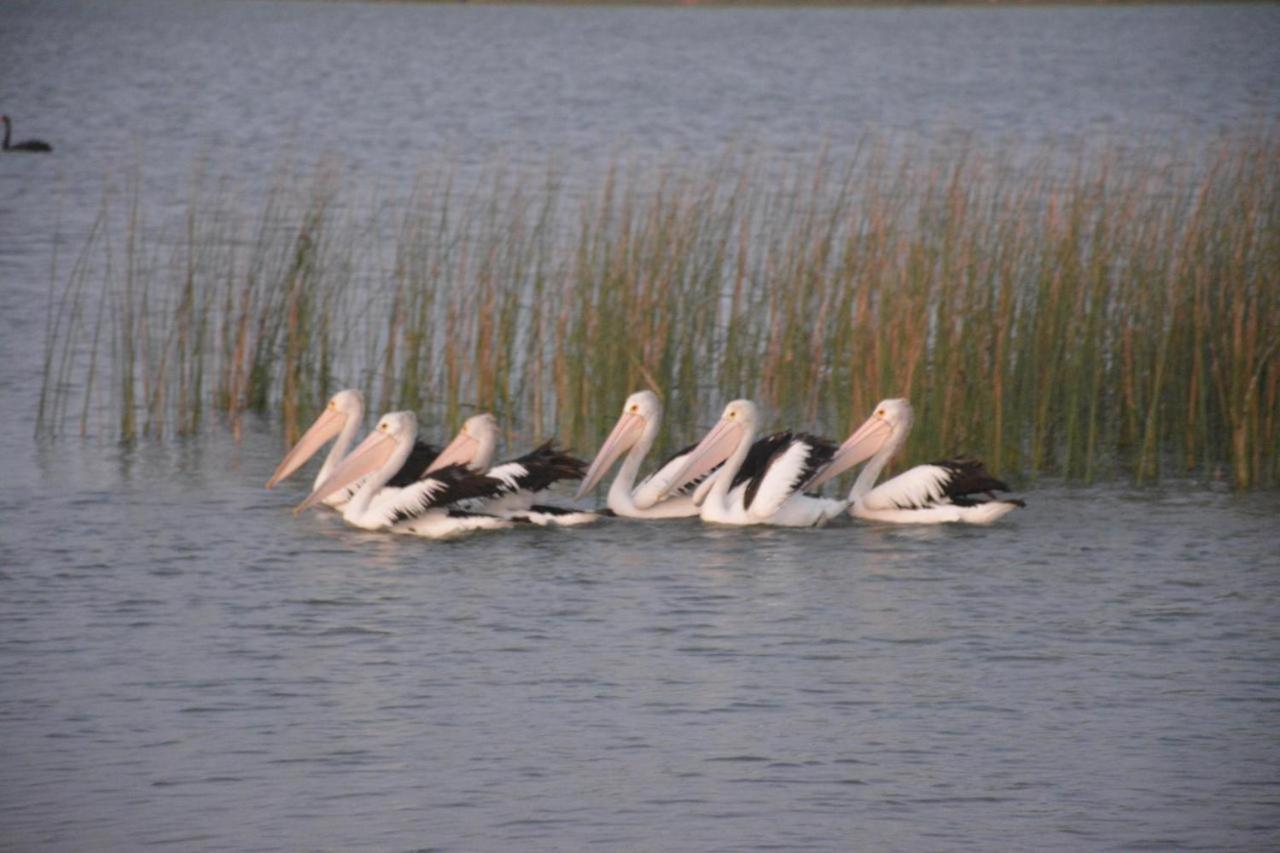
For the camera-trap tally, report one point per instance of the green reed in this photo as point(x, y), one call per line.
point(1111, 311)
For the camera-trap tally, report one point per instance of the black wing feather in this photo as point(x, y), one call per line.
point(420, 459)
point(548, 509)
point(968, 476)
point(548, 464)
point(761, 454)
point(457, 483)
point(820, 452)
point(461, 483)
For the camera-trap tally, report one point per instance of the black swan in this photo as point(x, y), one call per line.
point(29, 145)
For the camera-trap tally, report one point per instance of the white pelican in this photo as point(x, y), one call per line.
point(636, 431)
point(342, 418)
point(759, 483)
point(525, 477)
point(423, 507)
point(926, 494)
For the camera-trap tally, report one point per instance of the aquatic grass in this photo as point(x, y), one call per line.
point(1082, 314)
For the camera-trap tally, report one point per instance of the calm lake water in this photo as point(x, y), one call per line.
point(184, 664)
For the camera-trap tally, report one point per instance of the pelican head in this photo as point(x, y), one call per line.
point(644, 404)
point(398, 424)
point(891, 420)
point(473, 446)
point(348, 401)
point(641, 414)
point(737, 424)
point(742, 412)
point(345, 407)
point(896, 412)
point(386, 447)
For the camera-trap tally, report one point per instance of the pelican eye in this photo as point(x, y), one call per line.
point(880, 414)
point(634, 407)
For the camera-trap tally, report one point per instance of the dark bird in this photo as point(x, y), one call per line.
point(28, 145)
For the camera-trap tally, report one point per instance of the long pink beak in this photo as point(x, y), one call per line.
point(714, 448)
point(459, 452)
point(859, 447)
point(626, 432)
point(371, 455)
point(326, 427)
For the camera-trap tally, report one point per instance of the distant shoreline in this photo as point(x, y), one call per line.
point(817, 4)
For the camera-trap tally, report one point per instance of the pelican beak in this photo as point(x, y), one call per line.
point(859, 447)
point(459, 452)
point(326, 427)
point(371, 455)
point(714, 448)
point(624, 436)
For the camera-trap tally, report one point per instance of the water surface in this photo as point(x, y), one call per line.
point(183, 664)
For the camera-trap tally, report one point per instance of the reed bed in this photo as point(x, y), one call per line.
point(1107, 313)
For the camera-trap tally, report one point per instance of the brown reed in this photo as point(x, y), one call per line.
point(1108, 312)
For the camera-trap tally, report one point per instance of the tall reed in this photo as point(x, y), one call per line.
point(1108, 312)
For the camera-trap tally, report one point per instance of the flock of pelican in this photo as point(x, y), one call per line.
point(393, 481)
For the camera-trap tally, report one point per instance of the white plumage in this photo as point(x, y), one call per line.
point(770, 471)
point(524, 478)
point(926, 494)
point(422, 507)
point(634, 434)
point(779, 500)
point(342, 417)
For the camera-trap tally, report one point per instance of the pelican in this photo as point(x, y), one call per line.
point(634, 434)
point(759, 483)
point(926, 494)
point(342, 418)
point(525, 477)
point(423, 508)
